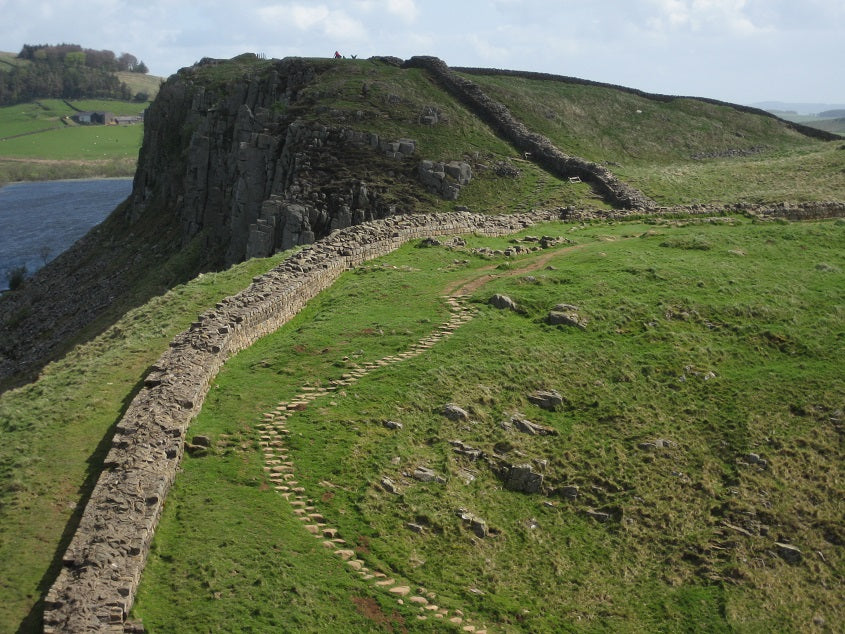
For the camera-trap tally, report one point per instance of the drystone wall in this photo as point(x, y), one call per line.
point(103, 563)
point(803, 129)
point(541, 149)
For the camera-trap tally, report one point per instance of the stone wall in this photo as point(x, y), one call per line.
point(539, 147)
point(104, 561)
point(803, 129)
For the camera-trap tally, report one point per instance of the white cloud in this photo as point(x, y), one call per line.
point(700, 16)
point(340, 25)
point(334, 23)
point(406, 9)
point(487, 51)
point(718, 48)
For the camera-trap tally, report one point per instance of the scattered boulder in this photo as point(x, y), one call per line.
point(476, 524)
point(454, 412)
point(560, 316)
point(430, 116)
point(599, 516)
point(755, 459)
point(659, 443)
point(502, 302)
point(546, 399)
point(463, 449)
point(527, 427)
point(196, 451)
point(503, 447)
point(445, 179)
point(523, 478)
point(388, 485)
point(569, 491)
point(202, 441)
point(392, 424)
point(424, 474)
point(417, 528)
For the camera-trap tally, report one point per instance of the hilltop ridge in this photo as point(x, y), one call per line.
point(624, 416)
point(243, 157)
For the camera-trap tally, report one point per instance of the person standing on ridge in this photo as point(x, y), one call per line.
point(336, 55)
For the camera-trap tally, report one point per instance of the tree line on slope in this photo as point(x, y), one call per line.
point(66, 71)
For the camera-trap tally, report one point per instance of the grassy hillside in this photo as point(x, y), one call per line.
point(54, 430)
point(698, 444)
point(678, 152)
point(139, 82)
point(10, 60)
point(690, 537)
point(720, 340)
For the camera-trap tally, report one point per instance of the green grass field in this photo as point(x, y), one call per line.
point(37, 143)
point(759, 306)
point(721, 338)
point(80, 143)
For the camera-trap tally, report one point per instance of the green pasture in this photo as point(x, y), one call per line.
point(721, 338)
point(84, 143)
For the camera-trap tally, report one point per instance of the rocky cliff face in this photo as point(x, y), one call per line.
point(225, 162)
point(234, 164)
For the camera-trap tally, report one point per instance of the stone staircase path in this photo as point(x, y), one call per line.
point(281, 472)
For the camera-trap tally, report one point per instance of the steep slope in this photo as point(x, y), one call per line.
point(250, 156)
point(245, 157)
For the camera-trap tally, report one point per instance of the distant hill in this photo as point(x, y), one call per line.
point(827, 120)
point(837, 126)
point(832, 114)
point(797, 108)
point(68, 71)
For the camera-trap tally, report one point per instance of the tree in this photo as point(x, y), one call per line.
point(127, 61)
point(16, 277)
point(142, 68)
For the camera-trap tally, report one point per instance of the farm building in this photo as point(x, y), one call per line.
point(97, 117)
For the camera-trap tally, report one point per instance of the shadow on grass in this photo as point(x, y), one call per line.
point(33, 622)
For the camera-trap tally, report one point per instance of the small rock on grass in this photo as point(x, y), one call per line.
point(454, 412)
point(502, 302)
point(546, 399)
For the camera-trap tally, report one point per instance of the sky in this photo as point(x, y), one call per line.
point(741, 51)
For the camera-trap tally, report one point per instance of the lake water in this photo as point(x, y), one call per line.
point(41, 220)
